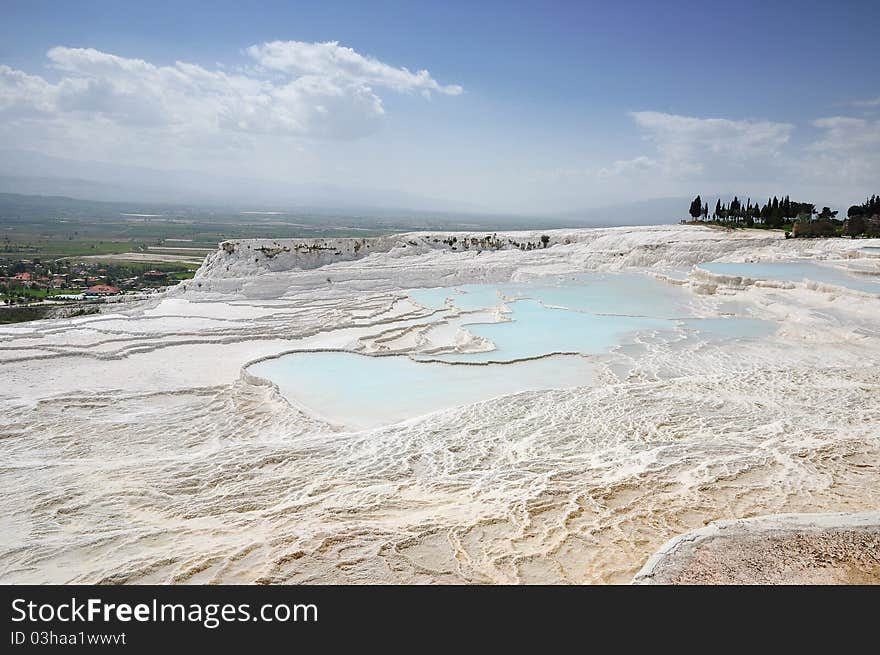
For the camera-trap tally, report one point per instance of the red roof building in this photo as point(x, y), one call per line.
point(102, 290)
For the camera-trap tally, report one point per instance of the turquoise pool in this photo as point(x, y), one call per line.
point(358, 391)
point(797, 272)
point(587, 315)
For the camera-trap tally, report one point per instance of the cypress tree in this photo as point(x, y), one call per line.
point(734, 208)
point(696, 207)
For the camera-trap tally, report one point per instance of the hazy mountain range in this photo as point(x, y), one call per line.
point(31, 173)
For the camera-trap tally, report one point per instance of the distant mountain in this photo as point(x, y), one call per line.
point(654, 211)
point(28, 172)
point(23, 208)
point(34, 174)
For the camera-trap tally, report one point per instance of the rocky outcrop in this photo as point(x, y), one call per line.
point(813, 229)
point(853, 226)
point(859, 225)
point(267, 268)
point(775, 549)
point(305, 254)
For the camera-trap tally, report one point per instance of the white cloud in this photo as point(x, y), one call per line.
point(630, 167)
point(685, 153)
point(333, 61)
point(688, 153)
point(687, 145)
point(310, 100)
point(22, 94)
point(871, 102)
point(844, 134)
point(847, 152)
point(754, 156)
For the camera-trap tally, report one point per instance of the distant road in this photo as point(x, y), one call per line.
point(140, 257)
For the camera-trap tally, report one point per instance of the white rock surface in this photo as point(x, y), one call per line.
point(135, 448)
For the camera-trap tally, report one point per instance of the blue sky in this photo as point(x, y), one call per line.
point(561, 105)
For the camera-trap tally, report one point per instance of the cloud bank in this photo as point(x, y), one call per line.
point(299, 112)
point(685, 145)
point(841, 155)
point(317, 90)
point(335, 62)
point(870, 102)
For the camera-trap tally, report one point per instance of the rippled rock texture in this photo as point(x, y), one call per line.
point(135, 448)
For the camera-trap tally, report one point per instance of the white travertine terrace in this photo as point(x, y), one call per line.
point(137, 449)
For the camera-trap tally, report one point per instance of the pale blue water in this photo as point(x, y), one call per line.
point(468, 297)
point(796, 272)
point(629, 294)
point(358, 391)
point(588, 314)
point(536, 329)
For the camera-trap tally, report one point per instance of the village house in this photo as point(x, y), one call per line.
point(155, 276)
point(102, 290)
point(24, 279)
